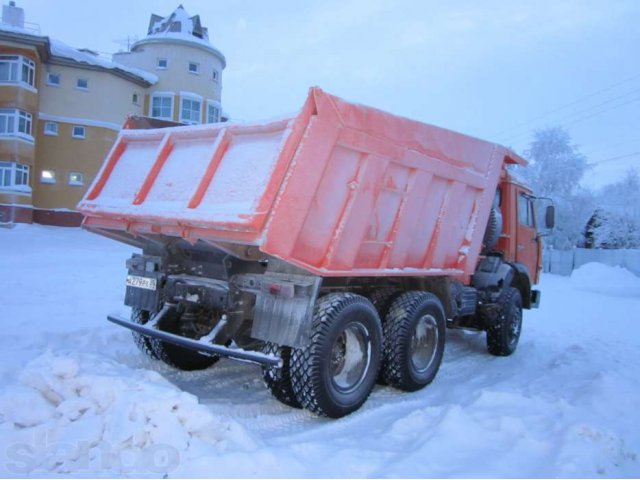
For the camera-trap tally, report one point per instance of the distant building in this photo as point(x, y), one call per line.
point(61, 108)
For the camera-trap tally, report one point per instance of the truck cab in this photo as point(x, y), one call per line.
point(520, 240)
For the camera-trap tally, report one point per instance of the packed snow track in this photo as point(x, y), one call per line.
point(77, 398)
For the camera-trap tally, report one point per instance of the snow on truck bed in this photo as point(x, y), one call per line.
point(76, 397)
point(339, 189)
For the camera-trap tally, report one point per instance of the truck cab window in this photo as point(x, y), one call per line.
point(525, 210)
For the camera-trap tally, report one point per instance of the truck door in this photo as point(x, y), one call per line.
point(527, 240)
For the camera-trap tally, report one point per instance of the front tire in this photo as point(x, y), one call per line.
point(503, 337)
point(334, 375)
point(414, 334)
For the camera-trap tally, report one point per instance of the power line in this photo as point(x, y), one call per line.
point(570, 104)
point(595, 164)
point(609, 147)
point(595, 114)
point(586, 117)
point(607, 160)
point(586, 110)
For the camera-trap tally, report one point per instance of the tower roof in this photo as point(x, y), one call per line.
point(179, 28)
point(179, 22)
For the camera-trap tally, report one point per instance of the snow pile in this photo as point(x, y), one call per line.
point(71, 412)
point(604, 279)
point(562, 406)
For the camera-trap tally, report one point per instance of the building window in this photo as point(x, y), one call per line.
point(213, 112)
point(17, 69)
point(190, 110)
point(47, 176)
point(76, 179)
point(14, 176)
point(78, 131)
point(134, 99)
point(24, 122)
point(15, 122)
point(82, 84)
point(53, 79)
point(194, 67)
point(162, 106)
point(215, 76)
point(162, 63)
point(51, 128)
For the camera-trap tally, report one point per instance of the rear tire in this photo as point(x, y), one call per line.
point(143, 343)
point(334, 375)
point(414, 333)
point(180, 357)
point(503, 337)
point(278, 380)
point(382, 298)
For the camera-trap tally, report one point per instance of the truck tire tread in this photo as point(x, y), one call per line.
point(278, 380)
point(307, 365)
point(398, 329)
point(143, 343)
point(499, 336)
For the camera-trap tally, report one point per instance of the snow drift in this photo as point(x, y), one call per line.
point(77, 399)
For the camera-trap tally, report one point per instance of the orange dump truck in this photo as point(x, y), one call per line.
point(334, 247)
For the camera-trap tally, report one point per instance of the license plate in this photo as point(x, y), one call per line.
point(141, 282)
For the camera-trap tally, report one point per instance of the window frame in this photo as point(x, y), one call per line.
point(190, 98)
point(135, 98)
point(13, 170)
point(17, 65)
point(51, 180)
point(15, 118)
point(215, 75)
point(52, 133)
point(82, 79)
point(84, 132)
point(76, 183)
point(53, 84)
point(214, 104)
point(170, 96)
point(525, 210)
point(196, 71)
point(166, 63)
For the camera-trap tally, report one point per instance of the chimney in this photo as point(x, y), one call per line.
point(12, 15)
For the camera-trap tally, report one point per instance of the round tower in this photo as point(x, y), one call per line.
point(189, 69)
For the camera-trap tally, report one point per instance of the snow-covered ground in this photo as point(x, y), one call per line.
point(76, 397)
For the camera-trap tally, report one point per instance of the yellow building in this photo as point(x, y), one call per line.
point(61, 108)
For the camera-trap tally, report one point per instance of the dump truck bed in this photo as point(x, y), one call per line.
point(339, 189)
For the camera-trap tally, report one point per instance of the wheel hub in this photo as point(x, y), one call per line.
point(424, 342)
point(350, 357)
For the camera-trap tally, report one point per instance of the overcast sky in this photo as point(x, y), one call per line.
point(492, 69)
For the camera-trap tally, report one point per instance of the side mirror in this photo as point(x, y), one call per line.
point(550, 217)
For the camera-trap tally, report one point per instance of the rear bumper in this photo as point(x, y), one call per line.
point(201, 346)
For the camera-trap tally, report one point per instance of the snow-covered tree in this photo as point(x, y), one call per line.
point(616, 222)
point(556, 165)
point(555, 170)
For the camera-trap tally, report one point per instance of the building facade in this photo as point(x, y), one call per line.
point(61, 108)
